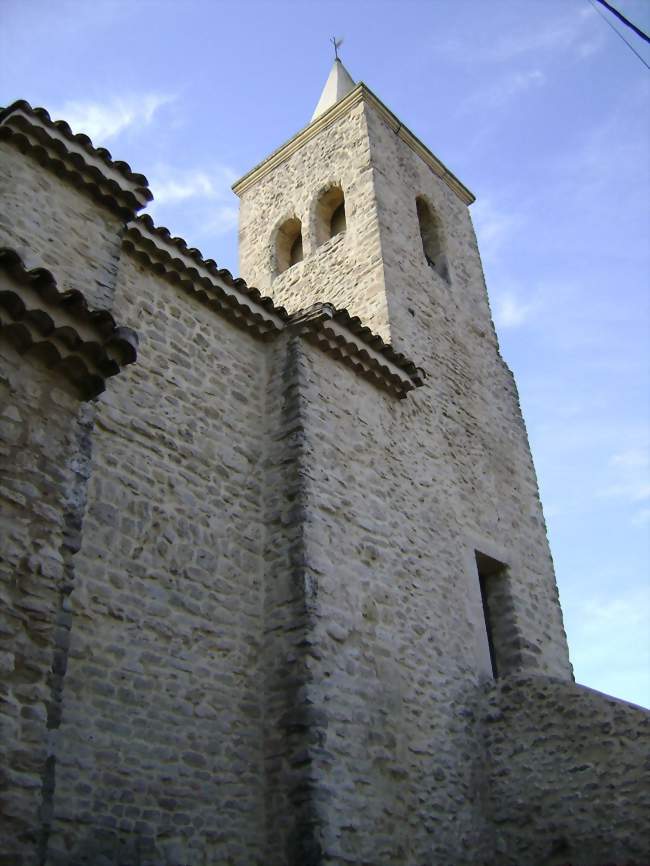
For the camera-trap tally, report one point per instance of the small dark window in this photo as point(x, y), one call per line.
point(486, 570)
point(288, 245)
point(494, 582)
point(330, 218)
point(431, 234)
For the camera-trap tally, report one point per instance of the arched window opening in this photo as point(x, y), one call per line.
point(288, 247)
point(330, 215)
point(432, 243)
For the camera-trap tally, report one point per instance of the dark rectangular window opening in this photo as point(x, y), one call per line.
point(491, 574)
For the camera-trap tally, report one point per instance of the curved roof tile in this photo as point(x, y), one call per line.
point(210, 265)
point(79, 137)
point(342, 335)
point(54, 144)
point(86, 345)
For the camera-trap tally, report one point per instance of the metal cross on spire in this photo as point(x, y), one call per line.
point(337, 44)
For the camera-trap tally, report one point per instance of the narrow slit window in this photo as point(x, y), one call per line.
point(493, 583)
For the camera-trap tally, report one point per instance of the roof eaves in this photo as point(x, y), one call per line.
point(171, 256)
point(86, 345)
point(54, 144)
point(345, 338)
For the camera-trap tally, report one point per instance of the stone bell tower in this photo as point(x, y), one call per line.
point(356, 211)
point(424, 561)
point(397, 199)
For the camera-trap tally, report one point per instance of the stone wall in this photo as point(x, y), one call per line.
point(467, 417)
point(55, 225)
point(43, 471)
point(291, 785)
point(390, 659)
point(569, 775)
point(161, 752)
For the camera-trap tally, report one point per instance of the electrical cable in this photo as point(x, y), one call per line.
point(619, 34)
point(625, 20)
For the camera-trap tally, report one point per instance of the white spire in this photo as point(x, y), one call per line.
point(339, 83)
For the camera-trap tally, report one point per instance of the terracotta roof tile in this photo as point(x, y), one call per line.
point(346, 338)
point(54, 144)
point(211, 266)
point(343, 336)
point(171, 257)
point(86, 345)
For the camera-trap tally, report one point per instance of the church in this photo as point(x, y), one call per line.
point(276, 585)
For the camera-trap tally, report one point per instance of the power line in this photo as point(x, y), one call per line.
point(618, 33)
point(625, 20)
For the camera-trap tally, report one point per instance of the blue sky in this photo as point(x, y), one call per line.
point(535, 104)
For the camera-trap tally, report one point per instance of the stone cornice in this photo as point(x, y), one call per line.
point(85, 345)
point(74, 157)
point(361, 93)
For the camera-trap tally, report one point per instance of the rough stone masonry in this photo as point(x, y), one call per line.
point(276, 588)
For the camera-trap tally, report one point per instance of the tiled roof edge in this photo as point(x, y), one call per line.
point(338, 332)
point(112, 181)
point(179, 262)
point(87, 344)
point(346, 338)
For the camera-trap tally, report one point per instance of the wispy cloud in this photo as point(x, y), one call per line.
point(642, 517)
point(197, 202)
point(630, 473)
point(620, 664)
point(502, 91)
point(176, 186)
point(577, 33)
point(573, 32)
point(511, 312)
point(222, 219)
point(494, 226)
point(105, 120)
point(630, 608)
point(633, 458)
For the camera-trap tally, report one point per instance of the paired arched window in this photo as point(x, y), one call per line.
point(330, 217)
point(432, 240)
point(288, 247)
